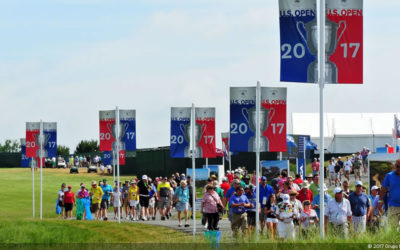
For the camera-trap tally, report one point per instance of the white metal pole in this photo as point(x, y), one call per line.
point(206, 162)
point(33, 187)
point(41, 139)
point(321, 62)
point(258, 110)
point(193, 123)
point(230, 161)
point(113, 163)
point(305, 160)
point(280, 156)
point(118, 149)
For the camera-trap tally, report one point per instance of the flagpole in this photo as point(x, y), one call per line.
point(117, 154)
point(230, 160)
point(258, 110)
point(41, 139)
point(321, 62)
point(305, 160)
point(193, 123)
point(33, 187)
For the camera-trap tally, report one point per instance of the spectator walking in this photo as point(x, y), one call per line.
point(360, 207)
point(338, 214)
point(305, 192)
point(61, 198)
point(265, 192)
point(251, 212)
point(144, 198)
point(308, 220)
point(182, 200)
point(209, 207)
point(105, 201)
point(164, 197)
point(116, 200)
point(133, 196)
point(225, 185)
point(316, 200)
point(347, 168)
point(269, 211)
point(315, 167)
point(357, 168)
point(314, 187)
point(391, 184)
point(68, 202)
point(286, 213)
point(238, 204)
point(96, 193)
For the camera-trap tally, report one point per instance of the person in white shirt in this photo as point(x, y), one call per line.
point(286, 213)
point(308, 220)
point(347, 168)
point(338, 214)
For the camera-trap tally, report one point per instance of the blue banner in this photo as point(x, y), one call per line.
point(180, 132)
point(107, 158)
point(242, 105)
point(299, 49)
point(129, 137)
point(24, 160)
point(301, 168)
point(50, 139)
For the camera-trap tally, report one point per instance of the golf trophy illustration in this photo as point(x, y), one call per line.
point(265, 117)
point(185, 129)
point(331, 41)
point(41, 139)
point(198, 134)
point(121, 132)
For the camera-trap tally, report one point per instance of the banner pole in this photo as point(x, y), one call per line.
point(118, 147)
point(230, 160)
point(305, 160)
point(33, 187)
point(258, 110)
point(206, 162)
point(41, 168)
point(193, 123)
point(321, 62)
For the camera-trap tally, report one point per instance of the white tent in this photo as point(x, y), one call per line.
point(346, 132)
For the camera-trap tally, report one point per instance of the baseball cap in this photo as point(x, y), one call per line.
point(82, 186)
point(94, 183)
point(250, 186)
point(337, 190)
point(305, 184)
point(104, 180)
point(144, 177)
point(285, 198)
point(224, 179)
point(133, 182)
point(358, 183)
point(236, 181)
point(307, 202)
point(309, 176)
point(293, 192)
point(263, 178)
point(375, 188)
point(69, 186)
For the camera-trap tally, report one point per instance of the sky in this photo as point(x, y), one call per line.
point(64, 60)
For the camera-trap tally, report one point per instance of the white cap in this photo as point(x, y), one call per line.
point(337, 190)
point(224, 179)
point(144, 177)
point(358, 183)
point(374, 188)
point(325, 189)
point(332, 158)
point(285, 198)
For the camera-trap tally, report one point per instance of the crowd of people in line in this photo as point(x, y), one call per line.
point(288, 206)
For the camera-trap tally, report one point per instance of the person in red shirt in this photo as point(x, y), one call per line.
point(225, 185)
point(298, 180)
point(68, 202)
point(229, 175)
point(305, 193)
point(315, 167)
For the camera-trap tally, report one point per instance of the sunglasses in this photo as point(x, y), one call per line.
point(292, 194)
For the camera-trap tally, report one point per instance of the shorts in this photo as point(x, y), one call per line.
point(347, 172)
point(337, 175)
point(68, 206)
point(152, 202)
point(273, 220)
point(315, 172)
point(251, 218)
point(393, 216)
point(144, 201)
point(133, 203)
point(359, 223)
point(286, 230)
point(164, 202)
point(239, 221)
point(331, 175)
point(357, 172)
point(60, 204)
point(104, 204)
point(182, 206)
point(94, 207)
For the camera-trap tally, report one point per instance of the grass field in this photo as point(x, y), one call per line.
point(18, 226)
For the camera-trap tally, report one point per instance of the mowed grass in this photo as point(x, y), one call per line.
point(17, 224)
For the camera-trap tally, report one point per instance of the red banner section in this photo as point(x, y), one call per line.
point(32, 139)
point(205, 132)
point(107, 124)
point(122, 155)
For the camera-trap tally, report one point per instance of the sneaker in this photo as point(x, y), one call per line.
point(105, 218)
point(144, 219)
point(180, 225)
point(153, 218)
point(134, 219)
point(162, 218)
point(167, 216)
point(187, 225)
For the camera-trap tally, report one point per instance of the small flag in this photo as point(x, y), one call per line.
point(396, 126)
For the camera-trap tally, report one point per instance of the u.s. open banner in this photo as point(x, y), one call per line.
point(343, 45)
point(108, 158)
point(128, 129)
point(180, 132)
point(107, 123)
point(50, 139)
point(243, 121)
point(32, 139)
point(205, 132)
point(24, 160)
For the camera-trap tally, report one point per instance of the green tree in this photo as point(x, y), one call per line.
point(62, 150)
point(87, 147)
point(10, 146)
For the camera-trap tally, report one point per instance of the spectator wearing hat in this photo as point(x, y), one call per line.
point(80, 195)
point(68, 202)
point(269, 211)
point(238, 205)
point(133, 196)
point(265, 192)
point(251, 212)
point(225, 185)
point(286, 213)
point(209, 207)
point(309, 178)
point(125, 198)
point(357, 168)
point(341, 167)
point(61, 197)
point(391, 184)
point(316, 200)
point(144, 197)
point(298, 204)
point(305, 192)
point(360, 207)
point(308, 219)
point(96, 193)
point(229, 193)
point(105, 201)
point(374, 217)
point(338, 214)
point(229, 176)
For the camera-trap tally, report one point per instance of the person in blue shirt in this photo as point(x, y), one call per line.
point(265, 191)
point(316, 203)
point(182, 201)
point(105, 200)
point(391, 183)
point(238, 205)
point(251, 212)
point(228, 195)
point(360, 206)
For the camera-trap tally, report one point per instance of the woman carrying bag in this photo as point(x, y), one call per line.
point(209, 207)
